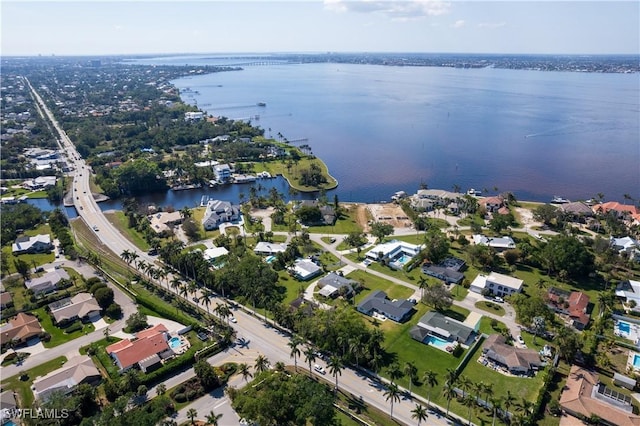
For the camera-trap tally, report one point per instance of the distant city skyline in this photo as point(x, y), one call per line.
point(430, 26)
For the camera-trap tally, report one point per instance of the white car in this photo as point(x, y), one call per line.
point(233, 319)
point(520, 339)
point(499, 299)
point(319, 369)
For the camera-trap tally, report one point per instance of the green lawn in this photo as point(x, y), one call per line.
point(23, 388)
point(100, 357)
point(33, 260)
point(120, 221)
point(293, 173)
point(492, 307)
point(58, 336)
point(345, 224)
point(372, 282)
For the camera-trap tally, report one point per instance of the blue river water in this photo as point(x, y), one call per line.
point(382, 129)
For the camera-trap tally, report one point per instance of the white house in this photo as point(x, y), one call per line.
point(38, 244)
point(498, 243)
point(218, 212)
point(164, 221)
point(305, 269)
point(211, 254)
point(267, 248)
point(396, 252)
point(629, 291)
point(626, 246)
point(222, 172)
point(193, 116)
point(498, 284)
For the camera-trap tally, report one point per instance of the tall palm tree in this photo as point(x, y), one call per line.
point(392, 394)
point(262, 364)
point(451, 376)
point(419, 413)
point(449, 392)
point(310, 357)
point(295, 351)
point(488, 390)
point(126, 256)
point(394, 372)
point(465, 384)
point(212, 418)
point(430, 378)
point(526, 406)
point(244, 370)
point(508, 401)
point(469, 401)
point(422, 284)
point(192, 414)
point(495, 408)
point(205, 299)
point(410, 370)
point(175, 284)
point(477, 388)
point(335, 368)
point(184, 291)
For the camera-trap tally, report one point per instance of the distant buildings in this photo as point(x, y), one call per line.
point(193, 116)
point(37, 244)
point(219, 212)
point(497, 284)
point(377, 302)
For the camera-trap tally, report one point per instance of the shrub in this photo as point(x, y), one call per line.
point(191, 395)
point(104, 297)
point(114, 311)
point(180, 397)
point(76, 326)
point(96, 286)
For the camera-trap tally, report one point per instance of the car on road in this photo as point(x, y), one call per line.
point(319, 369)
point(233, 319)
point(498, 299)
point(95, 228)
point(520, 339)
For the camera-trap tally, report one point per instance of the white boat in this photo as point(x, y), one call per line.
point(559, 200)
point(474, 192)
point(240, 178)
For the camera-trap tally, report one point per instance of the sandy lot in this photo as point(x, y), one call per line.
point(389, 213)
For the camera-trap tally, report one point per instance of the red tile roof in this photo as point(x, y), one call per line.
point(147, 343)
point(616, 206)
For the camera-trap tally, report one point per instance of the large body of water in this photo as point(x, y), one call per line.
point(382, 129)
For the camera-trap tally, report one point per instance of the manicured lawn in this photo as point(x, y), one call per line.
point(293, 173)
point(43, 228)
point(58, 336)
point(372, 282)
point(486, 328)
point(492, 307)
point(345, 224)
point(120, 221)
point(23, 388)
point(198, 215)
point(293, 286)
point(31, 259)
point(100, 357)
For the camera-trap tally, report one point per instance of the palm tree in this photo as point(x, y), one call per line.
point(488, 390)
point(419, 413)
point(526, 406)
point(465, 384)
point(477, 388)
point(508, 402)
point(449, 392)
point(279, 366)
point(205, 299)
point(430, 378)
point(451, 376)
point(392, 394)
point(495, 407)
point(335, 368)
point(394, 372)
point(262, 364)
point(212, 418)
point(410, 370)
point(310, 357)
point(126, 256)
point(469, 401)
point(184, 291)
point(244, 370)
point(192, 414)
point(422, 283)
point(295, 351)
point(223, 311)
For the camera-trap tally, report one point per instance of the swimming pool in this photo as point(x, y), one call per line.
point(636, 362)
point(438, 343)
point(270, 259)
point(624, 327)
point(175, 342)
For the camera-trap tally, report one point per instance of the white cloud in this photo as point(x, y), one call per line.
point(492, 25)
point(402, 10)
point(459, 23)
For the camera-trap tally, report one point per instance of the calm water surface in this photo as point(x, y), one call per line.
point(383, 129)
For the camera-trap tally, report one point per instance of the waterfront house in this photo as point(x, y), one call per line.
point(146, 351)
point(48, 282)
point(584, 396)
point(398, 310)
point(516, 360)
point(629, 293)
point(219, 212)
point(305, 269)
point(497, 243)
point(76, 371)
point(37, 244)
point(492, 204)
point(82, 306)
point(627, 247)
point(497, 284)
point(222, 172)
point(332, 285)
point(327, 213)
point(269, 249)
point(576, 210)
point(193, 116)
point(20, 328)
point(164, 221)
point(434, 324)
point(572, 306)
point(41, 182)
point(618, 209)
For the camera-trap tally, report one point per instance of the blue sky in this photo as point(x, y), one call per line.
point(141, 27)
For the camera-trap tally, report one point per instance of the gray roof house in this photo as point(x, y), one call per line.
point(82, 306)
point(7, 405)
point(48, 282)
point(218, 212)
point(37, 244)
point(377, 302)
point(328, 213)
point(516, 360)
point(447, 275)
point(435, 324)
point(498, 243)
point(264, 247)
point(331, 284)
point(305, 269)
point(76, 371)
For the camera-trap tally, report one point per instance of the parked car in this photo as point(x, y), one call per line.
point(319, 369)
point(520, 339)
point(498, 299)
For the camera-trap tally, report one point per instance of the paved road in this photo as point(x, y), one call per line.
point(260, 338)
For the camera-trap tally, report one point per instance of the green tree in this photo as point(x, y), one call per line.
point(419, 413)
point(335, 368)
point(295, 350)
point(438, 296)
point(411, 371)
point(192, 414)
point(436, 245)
point(430, 378)
point(212, 418)
point(261, 364)
point(244, 370)
point(380, 230)
point(392, 394)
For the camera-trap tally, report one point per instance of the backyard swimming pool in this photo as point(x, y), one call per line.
point(636, 362)
point(270, 259)
point(175, 342)
point(624, 327)
point(439, 343)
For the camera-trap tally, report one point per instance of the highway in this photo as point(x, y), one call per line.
point(258, 337)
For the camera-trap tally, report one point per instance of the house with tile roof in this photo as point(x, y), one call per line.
point(621, 210)
point(584, 396)
point(516, 360)
point(572, 306)
point(76, 371)
point(5, 299)
point(20, 328)
point(398, 310)
point(82, 306)
point(492, 204)
point(147, 351)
